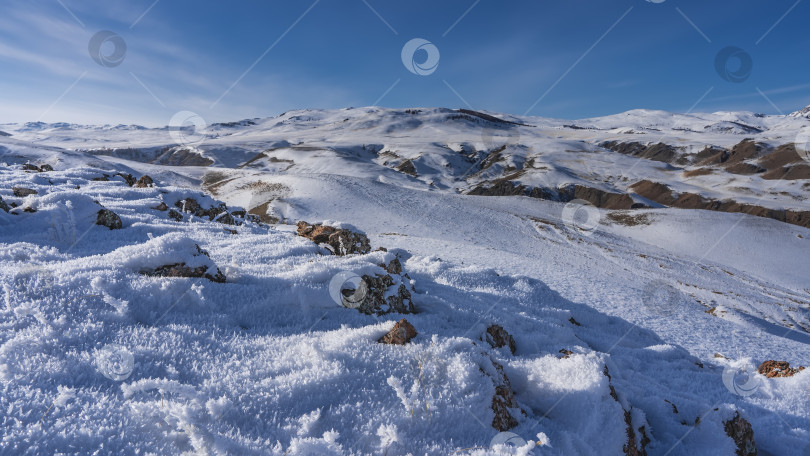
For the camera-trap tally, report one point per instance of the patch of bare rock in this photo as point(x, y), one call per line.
point(637, 438)
point(740, 430)
point(661, 193)
point(108, 218)
point(182, 270)
point(338, 240)
point(565, 193)
point(497, 337)
point(772, 369)
point(37, 169)
point(402, 333)
point(504, 403)
point(219, 213)
point(22, 192)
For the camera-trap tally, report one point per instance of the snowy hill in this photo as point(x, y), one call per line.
point(802, 112)
point(642, 266)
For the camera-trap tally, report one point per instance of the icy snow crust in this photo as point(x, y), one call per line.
point(268, 363)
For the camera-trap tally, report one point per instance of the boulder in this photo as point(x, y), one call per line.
point(773, 369)
point(740, 430)
point(144, 181)
point(383, 295)
point(191, 206)
point(338, 240)
point(22, 192)
point(400, 334)
point(108, 218)
point(182, 270)
point(214, 213)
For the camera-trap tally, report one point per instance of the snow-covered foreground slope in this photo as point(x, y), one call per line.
point(633, 329)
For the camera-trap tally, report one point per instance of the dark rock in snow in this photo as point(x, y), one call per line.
point(214, 213)
point(128, 178)
point(400, 334)
point(740, 430)
point(375, 302)
point(393, 267)
point(3, 205)
point(144, 181)
point(773, 369)
point(407, 167)
point(497, 337)
point(191, 206)
point(174, 215)
point(108, 218)
point(633, 447)
point(503, 401)
point(161, 207)
point(181, 270)
point(339, 241)
point(22, 192)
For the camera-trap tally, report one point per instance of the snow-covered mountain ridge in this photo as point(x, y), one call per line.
point(754, 163)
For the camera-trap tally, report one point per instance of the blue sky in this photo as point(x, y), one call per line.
point(567, 59)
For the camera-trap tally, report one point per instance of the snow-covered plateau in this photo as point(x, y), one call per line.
point(605, 286)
